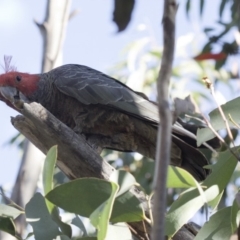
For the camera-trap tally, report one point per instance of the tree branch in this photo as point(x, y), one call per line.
point(76, 158)
point(164, 132)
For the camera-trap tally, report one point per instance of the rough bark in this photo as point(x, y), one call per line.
point(76, 158)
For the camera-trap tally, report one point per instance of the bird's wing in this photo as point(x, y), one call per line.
point(90, 86)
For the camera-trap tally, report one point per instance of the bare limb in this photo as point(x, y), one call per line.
point(210, 86)
point(44, 131)
point(164, 132)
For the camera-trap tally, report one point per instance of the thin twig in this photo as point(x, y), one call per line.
point(150, 208)
point(211, 87)
point(145, 230)
point(9, 201)
point(135, 232)
point(196, 118)
point(220, 138)
point(233, 122)
point(164, 131)
point(193, 136)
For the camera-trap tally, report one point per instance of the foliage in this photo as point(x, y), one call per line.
point(104, 199)
point(99, 208)
point(108, 204)
point(218, 40)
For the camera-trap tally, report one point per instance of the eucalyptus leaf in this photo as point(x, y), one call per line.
point(8, 211)
point(48, 172)
point(48, 175)
point(189, 202)
point(90, 192)
point(222, 6)
point(124, 179)
point(7, 225)
point(78, 223)
point(40, 219)
point(101, 215)
point(218, 227)
point(67, 196)
point(127, 208)
point(214, 203)
point(188, 6)
point(235, 214)
point(201, 6)
point(65, 228)
point(180, 178)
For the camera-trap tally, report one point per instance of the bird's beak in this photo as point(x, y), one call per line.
point(10, 94)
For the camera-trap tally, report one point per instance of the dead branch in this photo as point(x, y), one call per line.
point(76, 157)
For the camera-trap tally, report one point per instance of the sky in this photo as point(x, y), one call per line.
point(91, 40)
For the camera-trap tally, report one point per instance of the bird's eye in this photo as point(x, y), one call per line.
point(18, 78)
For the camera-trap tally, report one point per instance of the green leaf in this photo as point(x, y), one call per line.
point(221, 8)
point(214, 203)
point(235, 213)
point(67, 196)
point(48, 173)
point(78, 223)
point(124, 179)
point(144, 175)
point(208, 30)
point(218, 227)
point(101, 215)
point(65, 228)
point(220, 63)
point(7, 225)
point(127, 208)
point(40, 219)
point(188, 6)
point(179, 178)
point(201, 7)
point(232, 108)
point(9, 212)
point(48, 169)
point(191, 201)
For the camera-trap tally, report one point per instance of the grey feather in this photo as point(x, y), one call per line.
point(93, 87)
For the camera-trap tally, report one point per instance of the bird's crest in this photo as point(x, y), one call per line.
point(7, 67)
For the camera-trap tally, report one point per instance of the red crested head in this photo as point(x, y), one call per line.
point(23, 82)
point(12, 82)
